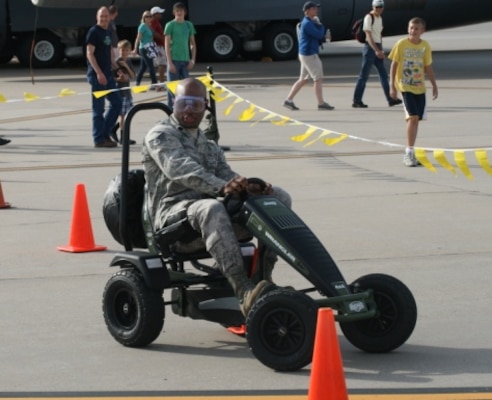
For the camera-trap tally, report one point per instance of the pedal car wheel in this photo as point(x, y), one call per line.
point(134, 313)
point(280, 329)
point(395, 318)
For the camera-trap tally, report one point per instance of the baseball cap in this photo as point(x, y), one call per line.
point(378, 3)
point(310, 4)
point(156, 10)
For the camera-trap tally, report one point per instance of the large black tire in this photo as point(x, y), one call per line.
point(48, 50)
point(280, 329)
point(395, 318)
point(5, 59)
point(280, 42)
point(134, 313)
point(220, 44)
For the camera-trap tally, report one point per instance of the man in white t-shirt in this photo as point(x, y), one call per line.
point(373, 55)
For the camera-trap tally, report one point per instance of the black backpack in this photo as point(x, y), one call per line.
point(358, 31)
point(134, 203)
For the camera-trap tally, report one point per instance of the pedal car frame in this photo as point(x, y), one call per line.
point(377, 313)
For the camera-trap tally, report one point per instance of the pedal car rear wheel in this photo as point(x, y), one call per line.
point(134, 313)
point(395, 318)
point(280, 329)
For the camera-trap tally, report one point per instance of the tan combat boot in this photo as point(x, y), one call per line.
point(252, 295)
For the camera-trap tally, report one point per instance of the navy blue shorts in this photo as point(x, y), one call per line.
point(414, 105)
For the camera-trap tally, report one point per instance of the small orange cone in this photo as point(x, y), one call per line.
point(327, 377)
point(81, 237)
point(3, 203)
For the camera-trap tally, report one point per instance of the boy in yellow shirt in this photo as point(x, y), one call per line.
point(411, 62)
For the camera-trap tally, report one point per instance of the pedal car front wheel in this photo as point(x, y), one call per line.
point(395, 318)
point(280, 329)
point(134, 313)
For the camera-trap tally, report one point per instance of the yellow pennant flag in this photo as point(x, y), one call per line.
point(305, 135)
point(2, 98)
point(216, 92)
point(140, 88)
point(421, 155)
point(66, 92)
point(459, 157)
point(282, 121)
point(30, 97)
point(172, 86)
point(440, 157)
point(323, 134)
point(219, 99)
point(335, 140)
point(260, 110)
point(483, 160)
point(234, 103)
point(269, 116)
point(101, 93)
point(248, 114)
point(206, 80)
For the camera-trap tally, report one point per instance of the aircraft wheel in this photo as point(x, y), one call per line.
point(280, 42)
point(134, 313)
point(280, 329)
point(221, 44)
point(47, 52)
point(395, 318)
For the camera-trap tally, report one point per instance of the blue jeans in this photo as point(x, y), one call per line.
point(181, 73)
point(102, 123)
point(369, 60)
point(145, 62)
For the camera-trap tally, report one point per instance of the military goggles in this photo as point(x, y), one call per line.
point(195, 104)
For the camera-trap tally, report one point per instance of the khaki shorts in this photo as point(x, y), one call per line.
point(311, 67)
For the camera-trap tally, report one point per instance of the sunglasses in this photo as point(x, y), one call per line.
point(379, 6)
point(196, 104)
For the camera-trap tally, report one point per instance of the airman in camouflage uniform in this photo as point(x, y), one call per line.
point(185, 173)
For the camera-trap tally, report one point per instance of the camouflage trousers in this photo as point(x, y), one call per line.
point(220, 237)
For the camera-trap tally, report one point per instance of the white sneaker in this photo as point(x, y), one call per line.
point(409, 160)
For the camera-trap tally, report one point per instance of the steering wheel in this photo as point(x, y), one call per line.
point(233, 202)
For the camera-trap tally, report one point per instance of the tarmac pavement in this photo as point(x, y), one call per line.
point(430, 229)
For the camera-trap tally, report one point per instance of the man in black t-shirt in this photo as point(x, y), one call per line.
point(100, 66)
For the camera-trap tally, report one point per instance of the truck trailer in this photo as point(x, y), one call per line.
point(43, 32)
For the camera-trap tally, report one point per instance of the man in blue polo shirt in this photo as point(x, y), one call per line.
point(311, 33)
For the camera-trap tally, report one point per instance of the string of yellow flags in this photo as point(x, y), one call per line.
point(65, 92)
point(311, 134)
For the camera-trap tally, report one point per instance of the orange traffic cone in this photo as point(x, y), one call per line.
point(3, 203)
point(81, 237)
point(327, 377)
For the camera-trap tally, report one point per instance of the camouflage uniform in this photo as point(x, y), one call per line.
point(186, 171)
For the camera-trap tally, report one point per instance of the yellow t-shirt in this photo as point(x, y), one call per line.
point(412, 60)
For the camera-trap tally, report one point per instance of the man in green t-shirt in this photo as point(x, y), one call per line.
point(180, 46)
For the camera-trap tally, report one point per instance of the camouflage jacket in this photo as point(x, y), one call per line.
point(179, 166)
